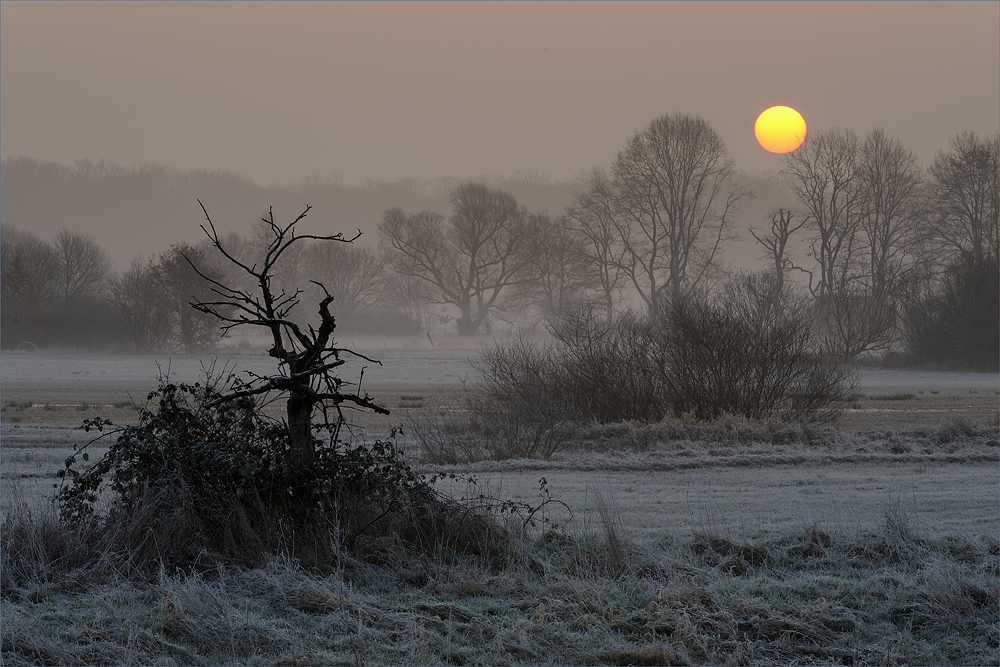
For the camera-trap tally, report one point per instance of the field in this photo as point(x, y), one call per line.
point(872, 541)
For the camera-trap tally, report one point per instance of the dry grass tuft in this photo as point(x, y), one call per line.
point(34, 545)
point(650, 654)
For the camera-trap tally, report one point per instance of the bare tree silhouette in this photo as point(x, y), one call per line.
point(473, 261)
point(670, 199)
point(307, 357)
point(776, 244)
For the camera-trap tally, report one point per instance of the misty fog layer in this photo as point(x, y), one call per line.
point(871, 249)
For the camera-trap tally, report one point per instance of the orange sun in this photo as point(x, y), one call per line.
point(780, 129)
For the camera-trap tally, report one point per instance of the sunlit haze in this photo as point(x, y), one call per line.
point(278, 91)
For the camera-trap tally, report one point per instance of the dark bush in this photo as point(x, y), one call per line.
point(749, 353)
point(533, 398)
point(957, 324)
point(526, 405)
point(752, 352)
point(521, 409)
point(607, 367)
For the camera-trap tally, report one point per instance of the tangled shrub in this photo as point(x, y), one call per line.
point(189, 480)
point(533, 399)
point(751, 353)
point(607, 367)
point(526, 405)
point(520, 410)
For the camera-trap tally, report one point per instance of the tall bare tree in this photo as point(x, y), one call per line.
point(889, 179)
point(83, 265)
point(826, 172)
point(952, 319)
point(135, 294)
point(472, 261)
point(592, 216)
point(180, 285)
point(965, 198)
point(673, 202)
point(559, 272)
point(354, 276)
point(29, 272)
point(825, 180)
point(307, 357)
point(775, 244)
point(862, 201)
point(408, 300)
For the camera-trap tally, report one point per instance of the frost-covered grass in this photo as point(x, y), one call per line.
point(886, 597)
point(872, 541)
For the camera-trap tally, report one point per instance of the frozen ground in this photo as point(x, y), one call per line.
point(45, 396)
point(400, 368)
point(757, 501)
point(875, 379)
point(428, 369)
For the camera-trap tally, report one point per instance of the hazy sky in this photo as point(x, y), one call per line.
point(277, 91)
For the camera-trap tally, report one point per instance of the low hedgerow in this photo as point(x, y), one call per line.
point(752, 353)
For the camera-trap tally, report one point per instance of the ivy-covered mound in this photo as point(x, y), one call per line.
point(192, 483)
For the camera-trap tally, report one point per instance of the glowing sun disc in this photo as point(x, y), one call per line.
point(780, 129)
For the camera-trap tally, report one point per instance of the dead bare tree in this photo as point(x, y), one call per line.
point(307, 358)
point(673, 201)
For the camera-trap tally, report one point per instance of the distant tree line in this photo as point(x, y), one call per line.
point(886, 254)
point(66, 293)
point(890, 255)
point(158, 202)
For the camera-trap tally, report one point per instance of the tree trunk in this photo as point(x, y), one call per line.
point(466, 327)
point(300, 439)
